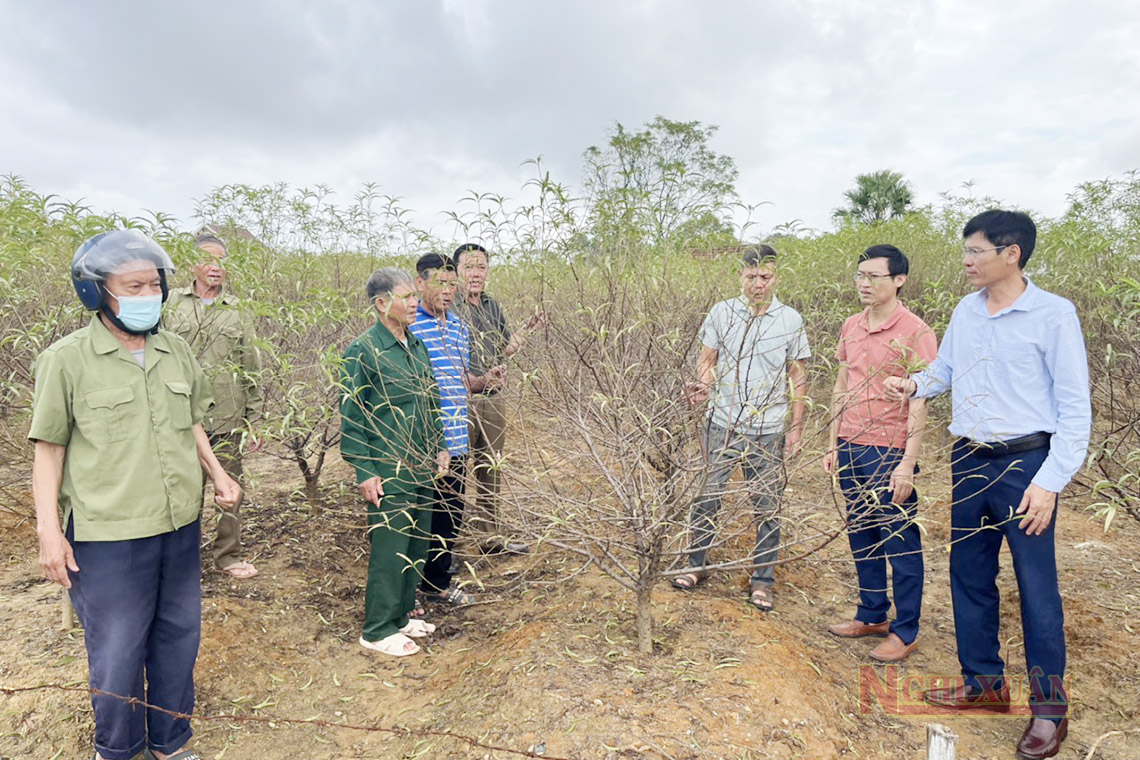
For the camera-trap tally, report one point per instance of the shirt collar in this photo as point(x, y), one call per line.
point(425, 315)
point(382, 337)
point(101, 338)
point(773, 306)
point(1025, 302)
point(105, 343)
point(891, 320)
point(188, 292)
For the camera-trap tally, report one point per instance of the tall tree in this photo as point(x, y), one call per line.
point(876, 197)
point(659, 183)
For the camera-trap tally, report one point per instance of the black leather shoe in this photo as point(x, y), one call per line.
point(962, 698)
point(1042, 738)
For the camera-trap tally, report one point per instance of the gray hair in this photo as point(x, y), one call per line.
point(208, 239)
point(384, 281)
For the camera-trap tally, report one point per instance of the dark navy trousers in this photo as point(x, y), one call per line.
point(987, 491)
point(882, 532)
point(140, 603)
point(446, 519)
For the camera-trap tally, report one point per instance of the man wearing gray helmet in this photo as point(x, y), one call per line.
point(120, 451)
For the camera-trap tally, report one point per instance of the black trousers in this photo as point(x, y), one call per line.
point(446, 519)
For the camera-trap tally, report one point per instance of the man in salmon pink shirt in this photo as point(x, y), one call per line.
point(874, 449)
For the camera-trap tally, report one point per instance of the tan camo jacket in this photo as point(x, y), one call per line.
point(221, 336)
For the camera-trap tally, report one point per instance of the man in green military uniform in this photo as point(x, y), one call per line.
point(120, 449)
point(220, 333)
point(392, 435)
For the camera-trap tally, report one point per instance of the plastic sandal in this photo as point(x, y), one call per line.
point(395, 645)
point(417, 628)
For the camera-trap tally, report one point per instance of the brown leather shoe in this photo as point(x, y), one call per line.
point(1042, 738)
point(961, 698)
point(855, 629)
point(893, 649)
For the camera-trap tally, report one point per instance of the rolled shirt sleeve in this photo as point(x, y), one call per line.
point(51, 401)
point(711, 329)
point(201, 392)
point(1067, 362)
point(937, 378)
point(798, 349)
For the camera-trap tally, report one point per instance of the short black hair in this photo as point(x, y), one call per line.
point(756, 255)
point(1005, 228)
point(897, 262)
point(432, 261)
point(465, 248)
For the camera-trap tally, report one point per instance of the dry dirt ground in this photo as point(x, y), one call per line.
point(547, 662)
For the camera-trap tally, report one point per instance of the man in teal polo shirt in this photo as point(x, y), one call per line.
point(120, 449)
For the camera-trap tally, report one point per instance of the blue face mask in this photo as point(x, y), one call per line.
point(139, 313)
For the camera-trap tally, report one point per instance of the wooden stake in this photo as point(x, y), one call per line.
point(941, 742)
point(67, 618)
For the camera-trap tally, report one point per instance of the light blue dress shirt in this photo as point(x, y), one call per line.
point(1023, 370)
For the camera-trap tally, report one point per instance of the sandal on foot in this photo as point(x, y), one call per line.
point(417, 628)
point(456, 597)
point(240, 569)
point(688, 581)
point(761, 598)
point(396, 645)
point(418, 612)
point(186, 754)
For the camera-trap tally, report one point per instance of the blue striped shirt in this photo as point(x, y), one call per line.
point(449, 349)
point(1023, 370)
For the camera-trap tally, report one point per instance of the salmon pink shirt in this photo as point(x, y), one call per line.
point(899, 347)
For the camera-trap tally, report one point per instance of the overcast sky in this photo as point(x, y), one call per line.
point(136, 105)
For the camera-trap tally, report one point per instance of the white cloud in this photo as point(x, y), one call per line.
point(149, 106)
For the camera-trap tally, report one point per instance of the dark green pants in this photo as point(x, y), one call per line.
point(399, 533)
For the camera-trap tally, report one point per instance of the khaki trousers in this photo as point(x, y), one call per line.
point(487, 432)
point(227, 540)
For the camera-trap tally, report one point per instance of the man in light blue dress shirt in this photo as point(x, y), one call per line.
point(1013, 358)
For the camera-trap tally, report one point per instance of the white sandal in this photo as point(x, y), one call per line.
point(395, 645)
point(417, 628)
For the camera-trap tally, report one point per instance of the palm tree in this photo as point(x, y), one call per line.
point(876, 197)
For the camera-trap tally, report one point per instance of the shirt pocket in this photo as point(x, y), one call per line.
point(219, 343)
point(178, 399)
point(105, 415)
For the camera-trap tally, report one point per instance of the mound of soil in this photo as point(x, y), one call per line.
point(546, 662)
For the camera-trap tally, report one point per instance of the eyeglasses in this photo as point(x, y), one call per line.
point(873, 277)
point(973, 253)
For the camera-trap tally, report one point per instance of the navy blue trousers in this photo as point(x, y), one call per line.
point(882, 532)
point(987, 491)
point(446, 519)
point(140, 603)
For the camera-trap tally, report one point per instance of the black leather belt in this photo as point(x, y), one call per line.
point(1003, 448)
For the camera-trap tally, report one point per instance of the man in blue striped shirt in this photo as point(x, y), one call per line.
point(448, 344)
point(1014, 360)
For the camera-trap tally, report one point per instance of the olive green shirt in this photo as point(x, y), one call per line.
point(131, 468)
point(221, 335)
point(390, 419)
point(490, 334)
